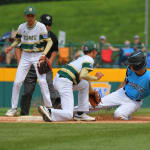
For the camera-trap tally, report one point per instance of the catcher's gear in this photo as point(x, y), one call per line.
point(94, 98)
point(137, 60)
point(44, 66)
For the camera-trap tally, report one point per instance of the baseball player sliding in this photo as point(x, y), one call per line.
point(31, 35)
point(132, 91)
point(74, 76)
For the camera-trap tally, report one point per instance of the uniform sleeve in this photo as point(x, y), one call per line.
point(88, 66)
point(43, 34)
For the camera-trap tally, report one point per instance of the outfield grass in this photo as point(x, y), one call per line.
point(84, 20)
point(26, 136)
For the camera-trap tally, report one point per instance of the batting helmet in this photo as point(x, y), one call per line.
point(89, 46)
point(46, 19)
point(137, 60)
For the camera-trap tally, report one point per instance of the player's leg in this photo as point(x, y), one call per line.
point(42, 81)
point(64, 87)
point(21, 73)
point(112, 99)
point(125, 110)
point(83, 101)
point(44, 87)
point(29, 86)
point(55, 98)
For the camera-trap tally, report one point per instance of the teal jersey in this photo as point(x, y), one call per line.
point(137, 87)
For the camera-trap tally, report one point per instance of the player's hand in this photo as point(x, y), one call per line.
point(8, 49)
point(99, 75)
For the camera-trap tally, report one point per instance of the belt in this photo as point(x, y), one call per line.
point(33, 51)
point(138, 100)
point(61, 76)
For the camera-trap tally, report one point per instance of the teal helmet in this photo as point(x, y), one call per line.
point(89, 46)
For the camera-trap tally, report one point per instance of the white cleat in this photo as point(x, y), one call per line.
point(11, 112)
point(84, 117)
point(45, 113)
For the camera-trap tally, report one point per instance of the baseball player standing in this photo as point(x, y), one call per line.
point(31, 35)
point(74, 76)
point(135, 87)
point(31, 78)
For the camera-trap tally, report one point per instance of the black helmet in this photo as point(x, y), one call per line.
point(46, 19)
point(137, 60)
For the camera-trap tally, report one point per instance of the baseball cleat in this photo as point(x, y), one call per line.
point(11, 112)
point(84, 117)
point(45, 113)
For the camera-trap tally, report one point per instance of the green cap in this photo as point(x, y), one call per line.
point(30, 10)
point(89, 46)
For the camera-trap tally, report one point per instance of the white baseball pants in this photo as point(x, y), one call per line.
point(27, 59)
point(126, 105)
point(65, 88)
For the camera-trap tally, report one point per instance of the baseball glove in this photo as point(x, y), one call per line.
point(94, 98)
point(44, 66)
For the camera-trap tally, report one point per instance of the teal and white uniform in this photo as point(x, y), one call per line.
point(31, 43)
point(67, 80)
point(130, 97)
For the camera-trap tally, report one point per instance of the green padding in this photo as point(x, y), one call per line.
point(6, 92)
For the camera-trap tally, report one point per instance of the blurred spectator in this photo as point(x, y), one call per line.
point(137, 44)
point(7, 39)
point(79, 53)
point(105, 52)
point(105, 45)
point(124, 53)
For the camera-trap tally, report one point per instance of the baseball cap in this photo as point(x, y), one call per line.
point(89, 46)
point(30, 10)
point(136, 37)
point(102, 37)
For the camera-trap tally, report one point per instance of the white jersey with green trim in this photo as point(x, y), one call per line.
point(31, 37)
point(83, 62)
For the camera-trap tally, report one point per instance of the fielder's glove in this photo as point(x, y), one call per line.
point(94, 98)
point(44, 66)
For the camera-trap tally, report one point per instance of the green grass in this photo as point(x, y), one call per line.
point(84, 20)
point(49, 136)
point(26, 136)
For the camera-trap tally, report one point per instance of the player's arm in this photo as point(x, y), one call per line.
point(126, 80)
point(53, 56)
point(49, 44)
point(86, 76)
point(122, 84)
